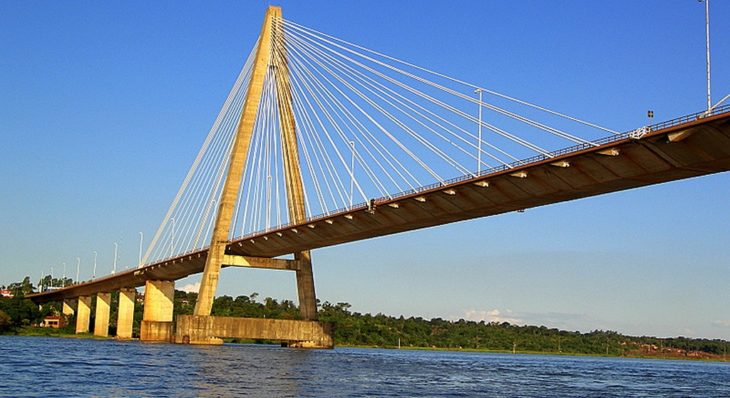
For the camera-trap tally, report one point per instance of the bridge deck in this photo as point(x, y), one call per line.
point(640, 162)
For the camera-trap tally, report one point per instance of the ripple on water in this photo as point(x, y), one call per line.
point(35, 366)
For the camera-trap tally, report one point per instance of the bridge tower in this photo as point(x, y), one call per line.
point(271, 54)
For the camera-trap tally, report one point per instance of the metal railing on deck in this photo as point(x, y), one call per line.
point(498, 169)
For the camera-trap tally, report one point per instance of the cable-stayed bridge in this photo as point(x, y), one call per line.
point(322, 141)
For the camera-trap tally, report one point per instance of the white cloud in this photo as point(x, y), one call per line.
point(191, 287)
point(722, 323)
point(493, 315)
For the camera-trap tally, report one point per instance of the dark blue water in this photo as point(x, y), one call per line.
point(35, 366)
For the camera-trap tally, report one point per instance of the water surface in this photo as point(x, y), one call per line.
point(38, 366)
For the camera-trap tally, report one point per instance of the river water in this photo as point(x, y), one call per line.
point(38, 366)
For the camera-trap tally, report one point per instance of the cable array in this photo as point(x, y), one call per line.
point(368, 125)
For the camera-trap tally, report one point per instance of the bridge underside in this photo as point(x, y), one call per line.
point(703, 147)
point(696, 148)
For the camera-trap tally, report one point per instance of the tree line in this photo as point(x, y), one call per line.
point(379, 330)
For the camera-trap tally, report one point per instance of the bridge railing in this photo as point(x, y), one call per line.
point(502, 168)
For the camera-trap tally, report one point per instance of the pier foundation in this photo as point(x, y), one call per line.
point(192, 329)
point(158, 305)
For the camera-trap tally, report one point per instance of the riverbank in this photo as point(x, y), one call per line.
point(666, 354)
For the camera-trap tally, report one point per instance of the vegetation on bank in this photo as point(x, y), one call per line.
point(357, 329)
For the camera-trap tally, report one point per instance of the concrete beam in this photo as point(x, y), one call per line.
point(125, 315)
point(679, 135)
point(260, 262)
point(83, 314)
point(68, 309)
point(101, 321)
point(191, 329)
point(158, 306)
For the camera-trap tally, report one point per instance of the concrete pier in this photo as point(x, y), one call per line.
point(157, 318)
point(101, 321)
point(125, 314)
point(83, 314)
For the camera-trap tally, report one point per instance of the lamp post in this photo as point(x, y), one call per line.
point(352, 171)
point(116, 250)
point(172, 237)
point(64, 275)
point(139, 261)
point(707, 51)
point(78, 268)
point(94, 272)
point(479, 140)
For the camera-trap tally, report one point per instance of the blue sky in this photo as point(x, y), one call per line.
point(104, 106)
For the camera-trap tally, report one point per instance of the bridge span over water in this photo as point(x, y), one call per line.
point(271, 189)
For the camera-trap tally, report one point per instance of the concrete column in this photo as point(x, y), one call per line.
point(305, 288)
point(83, 314)
point(157, 316)
point(101, 323)
point(125, 315)
point(68, 309)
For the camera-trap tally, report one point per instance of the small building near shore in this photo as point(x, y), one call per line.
point(6, 293)
point(53, 321)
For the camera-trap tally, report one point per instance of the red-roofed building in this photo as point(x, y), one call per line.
point(6, 294)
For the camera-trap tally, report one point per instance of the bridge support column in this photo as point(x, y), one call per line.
point(305, 287)
point(157, 318)
point(101, 321)
point(68, 309)
point(83, 314)
point(125, 314)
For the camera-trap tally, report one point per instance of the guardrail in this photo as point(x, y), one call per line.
point(498, 169)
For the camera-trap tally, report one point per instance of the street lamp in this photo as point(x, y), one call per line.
point(94, 272)
point(172, 237)
point(78, 268)
point(139, 261)
point(707, 51)
point(64, 275)
point(479, 140)
point(352, 171)
point(116, 250)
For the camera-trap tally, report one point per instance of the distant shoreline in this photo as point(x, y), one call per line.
point(45, 332)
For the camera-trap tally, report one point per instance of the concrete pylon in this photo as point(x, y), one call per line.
point(270, 43)
point(83, 314)
point(101, 320)
point(125, 314)
point(292, 171)
point(239, 153)
point(158, 306)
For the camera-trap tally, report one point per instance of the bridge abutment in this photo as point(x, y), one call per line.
point(101, 319)
point(157, 321)
point(125, 314)
point(83, 314)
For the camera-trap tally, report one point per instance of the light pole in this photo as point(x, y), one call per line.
point(116, 250)
point(94, 272)
point(479, 140)
point(172, 237)
point(707, 52)
point(78, 268)
point(51, 276)
point(139, 261)
point(352, 171)
point(64, 275)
